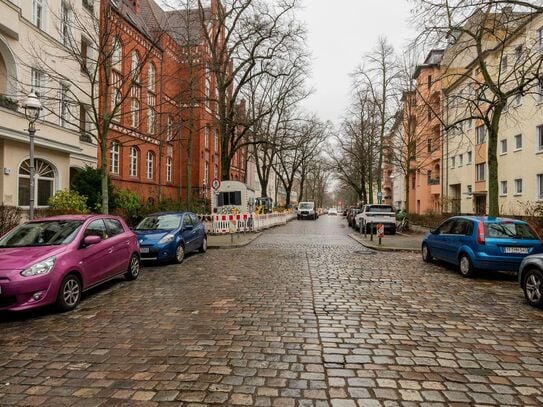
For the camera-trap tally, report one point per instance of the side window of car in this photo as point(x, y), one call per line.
point(187, 221)
point(195, 220)
point(114, 227)
point(96, 228)
point(459, 227)
point(468, 231)
point(445, 228)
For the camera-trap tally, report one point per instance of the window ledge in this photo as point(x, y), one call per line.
point(516, 150)
point(518, 194)
point(503, 153)
point(503, 195)
point(539, 151)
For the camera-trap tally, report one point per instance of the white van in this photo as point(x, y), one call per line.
point(306, 210)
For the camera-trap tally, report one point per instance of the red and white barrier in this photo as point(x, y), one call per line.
point(245, 222)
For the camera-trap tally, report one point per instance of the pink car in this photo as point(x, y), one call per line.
point(53, 260)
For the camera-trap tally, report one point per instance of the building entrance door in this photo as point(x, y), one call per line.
point(480, 205)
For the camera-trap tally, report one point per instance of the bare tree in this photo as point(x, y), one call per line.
point(482, 73)
point(90, 39)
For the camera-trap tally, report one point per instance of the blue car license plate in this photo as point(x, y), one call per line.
point(516, 250)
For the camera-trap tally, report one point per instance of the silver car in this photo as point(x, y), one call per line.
point(530, 278)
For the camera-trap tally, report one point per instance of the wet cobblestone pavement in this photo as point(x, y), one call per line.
point(303, 316)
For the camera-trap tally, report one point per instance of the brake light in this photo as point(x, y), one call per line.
point(481, 233)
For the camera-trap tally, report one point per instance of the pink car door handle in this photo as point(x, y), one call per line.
point(110, 250)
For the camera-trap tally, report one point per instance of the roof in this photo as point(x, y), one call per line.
point(488, 218)
point(82, 217)
point(432, 60)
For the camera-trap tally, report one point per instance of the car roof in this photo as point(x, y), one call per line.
point(488, 219)
point(168, 213)
point(71, 217)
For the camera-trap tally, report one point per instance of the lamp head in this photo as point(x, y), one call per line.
point(32, 106)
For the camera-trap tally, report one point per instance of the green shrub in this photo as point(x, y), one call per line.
point(68, 202)
point(88, 182)
point(126, 204)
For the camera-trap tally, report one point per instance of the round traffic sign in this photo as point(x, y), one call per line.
point(216, 183)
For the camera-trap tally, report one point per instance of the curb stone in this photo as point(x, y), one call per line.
point(383, 248)
point(236, 245)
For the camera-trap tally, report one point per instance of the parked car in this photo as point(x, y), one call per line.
point(54, 260)
point(166, 236)
point(530, 277)
point(307, 210)
point(373, 214)
point(481, 243)
point(351, 214)
point(332, 212)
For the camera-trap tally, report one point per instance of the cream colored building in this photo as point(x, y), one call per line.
point(520, 141)
point(30, 31)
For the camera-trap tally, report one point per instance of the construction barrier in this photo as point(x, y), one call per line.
point(244, 222)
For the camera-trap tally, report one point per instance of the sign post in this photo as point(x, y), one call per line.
point(380, 232)
point(379, 197)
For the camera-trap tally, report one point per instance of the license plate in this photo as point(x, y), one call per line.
point(144, 249)
point(516, 250)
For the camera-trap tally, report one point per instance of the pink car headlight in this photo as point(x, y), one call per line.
point(43, 267)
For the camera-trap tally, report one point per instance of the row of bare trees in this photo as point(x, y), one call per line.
point(481, 77)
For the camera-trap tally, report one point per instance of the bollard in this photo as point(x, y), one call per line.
point(371, 231)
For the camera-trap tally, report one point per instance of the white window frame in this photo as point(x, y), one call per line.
point(134, 67)
point(169, 128)
point(216, 140)
point(206, 173)
point(151, 77)
point(168, 169)
point(453, 161)
point(539, 187)
point(37, 178)
point(150, 165)
point(460, 160)
point(64, 23)
point(38, 13)
point(539, 139)
point(503, 188)
point(503, 146)
point(206, 136)
point(114, 157)
point(116, 54)
point(151, 120)
point(134, 161)
point(63, 105)
point(135, 113)
point(480, 139)
point(469, 159)
point(517, 144)
point(480, 177)
point(37, 81)
point(518, 186)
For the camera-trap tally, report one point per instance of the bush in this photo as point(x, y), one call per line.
point(88, 182)
point(126, 204)
point(68, 202)
point(10, 216)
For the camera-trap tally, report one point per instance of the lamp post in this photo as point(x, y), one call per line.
point(32, 107)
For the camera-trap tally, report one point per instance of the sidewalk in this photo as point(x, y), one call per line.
point(391, 243)
point(231, 241)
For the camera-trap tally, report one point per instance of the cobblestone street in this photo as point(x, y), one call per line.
point(303, 316)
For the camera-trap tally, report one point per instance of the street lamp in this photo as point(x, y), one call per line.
point(32, 107)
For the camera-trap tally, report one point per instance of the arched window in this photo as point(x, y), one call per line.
point(116, 54)
point(169, 169)
point(151, 120)
point(134, 161)
point(114, 153)
point(44, 182)
point(134, 67)
point(116, 101)
point(135, 114)
point(150, 164)
point(151, 77)
point(169, 129)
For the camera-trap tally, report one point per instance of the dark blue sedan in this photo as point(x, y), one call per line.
point(170, 236)
point(481, 243)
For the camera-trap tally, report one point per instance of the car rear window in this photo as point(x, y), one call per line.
point(509, 230)
point(380, 209)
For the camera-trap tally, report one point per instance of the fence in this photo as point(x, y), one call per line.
point(245, 222)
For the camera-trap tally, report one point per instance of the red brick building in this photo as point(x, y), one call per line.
point(167, 116)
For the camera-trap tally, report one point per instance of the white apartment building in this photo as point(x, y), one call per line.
point(62, 142)
point(520, 142)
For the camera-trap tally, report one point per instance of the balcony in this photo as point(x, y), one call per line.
point(8, 103)
point(435, 186)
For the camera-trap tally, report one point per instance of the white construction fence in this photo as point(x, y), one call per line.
point(219, 224)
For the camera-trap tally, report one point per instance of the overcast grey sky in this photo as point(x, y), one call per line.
point(340, 33)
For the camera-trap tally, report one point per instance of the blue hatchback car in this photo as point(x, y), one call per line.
point(481, 243)
point(170, 236)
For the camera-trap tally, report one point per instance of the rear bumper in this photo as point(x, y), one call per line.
point(484, 262)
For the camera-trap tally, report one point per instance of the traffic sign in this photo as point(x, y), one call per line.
point(380, 230)
point(216, 184)
point(379, 194)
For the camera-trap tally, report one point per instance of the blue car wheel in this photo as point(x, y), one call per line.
point(426, 255)
point(179, 253)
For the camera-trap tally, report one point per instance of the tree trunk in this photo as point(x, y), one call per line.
point(103, 172)
point(493, 193)
point(406, 181)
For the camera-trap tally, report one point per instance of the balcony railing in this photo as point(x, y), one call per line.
point(8, 103)
point(434, 181)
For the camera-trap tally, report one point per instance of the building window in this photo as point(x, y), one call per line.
point(429, 82)
point(114, 153)
point(518, 99)
point(518, 53)
point(134, 67)
point(429, 142)
point(169, 169)
point(85, 123)
point(504, 63)
point(217, 140)
point(503, 146)
point(64, 23)
point(453, 162)
point(37, 81)
point(207, 86)
point(518, 142)
point(429, 113)
point(134, 158)
point(480, 172)
point(63, 104)
point(135, 113)
point(169, 129)
point(116, 54)
point(44, 182)
point(539, 141)
point(216, 172)
point(460, 160)
point(151, 77)
point(116, 102)
point(38, 14)
point(85, 55)
point(88, 4)
point(469, 159)
point(503, 188)
point(206, 137)
point(480, 134)
point(540, 89)
point(151, 113)
point(518, 186)
point(150, 164)
point(206, 174)
point(539, 187)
